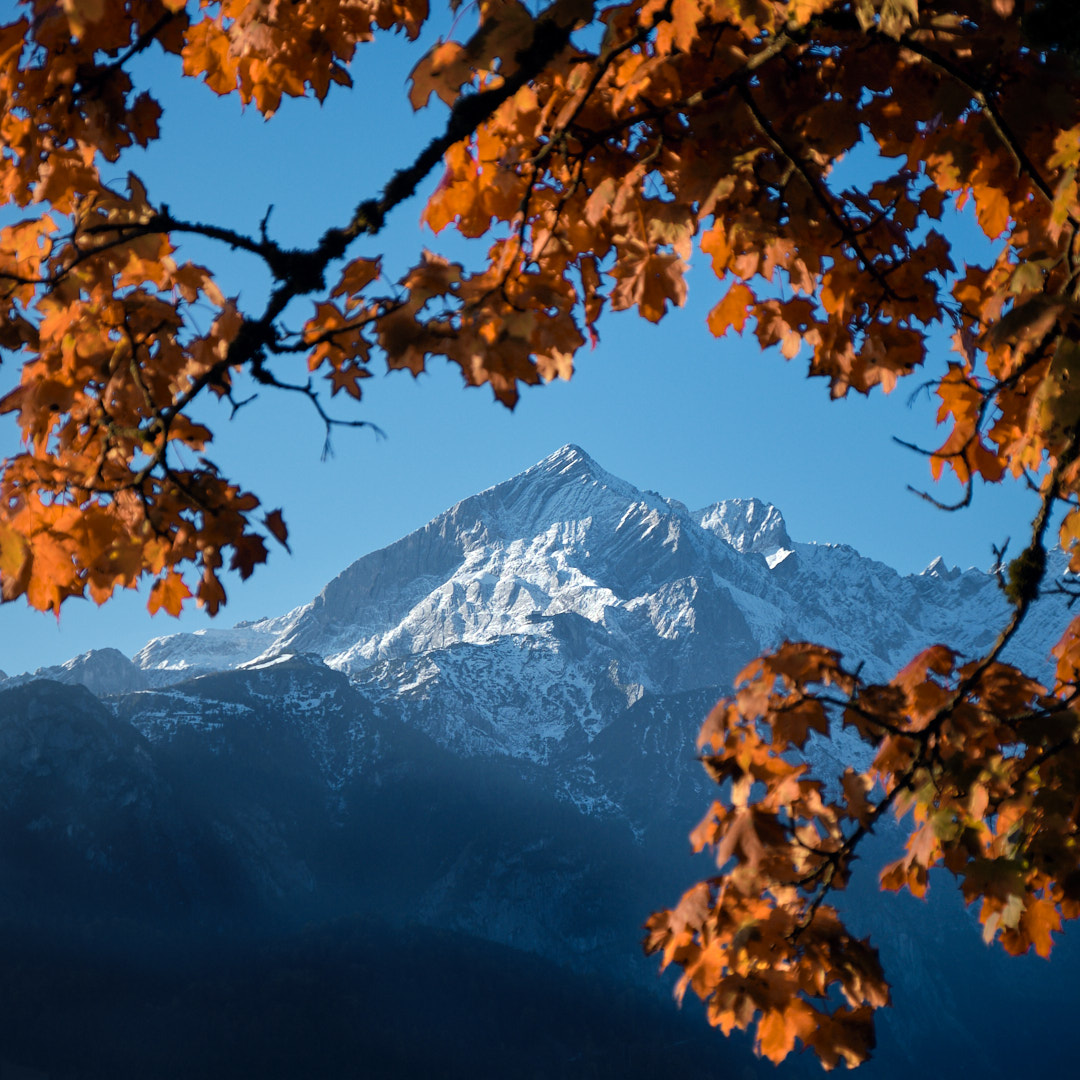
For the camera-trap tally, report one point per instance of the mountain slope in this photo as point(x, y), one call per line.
point(485, 729)
point(681, 600)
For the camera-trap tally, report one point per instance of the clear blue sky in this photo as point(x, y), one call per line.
point(667, 407)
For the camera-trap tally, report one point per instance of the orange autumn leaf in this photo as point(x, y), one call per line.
point(13, 553)
point(356, 277)
point(992, 208)
point(732, 312)
point(169, 593)
point(590, 150)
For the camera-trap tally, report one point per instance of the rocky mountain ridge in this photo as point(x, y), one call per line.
point(680, 599)
point(485, 729)
point(526, 620)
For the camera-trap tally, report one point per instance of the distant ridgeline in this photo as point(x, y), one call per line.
point(417, 823)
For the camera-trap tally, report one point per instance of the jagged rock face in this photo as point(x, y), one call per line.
point(563, 537)
point(486, 727)
point(679, 600)
point(747, 525)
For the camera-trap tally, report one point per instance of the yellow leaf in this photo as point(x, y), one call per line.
point(13, 553)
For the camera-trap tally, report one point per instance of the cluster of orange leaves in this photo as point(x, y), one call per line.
point(987, 764)
point(601, 148)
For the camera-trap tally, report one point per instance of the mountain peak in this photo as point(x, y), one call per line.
point(938, 569)
point(567, 457)
point(566, 560)
point(570, 465)
point(567, 485)
point(747, 525)
point(101, 671)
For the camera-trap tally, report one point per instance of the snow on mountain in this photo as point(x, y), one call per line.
point(296, 694)
point(678, 599)
point(175, 657)
point(564, 536)
point(938, 569)
point(522, 696)
point(748, 525)
point(101, 671)
point(567, 582)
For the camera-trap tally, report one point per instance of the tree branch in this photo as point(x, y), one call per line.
point(985, 101)
point(824, 198)
point(303, 271)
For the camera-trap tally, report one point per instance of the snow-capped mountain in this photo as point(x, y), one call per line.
point(566, 537)
point(526, 620)
point(486, 728)
point(568, 581)
point(102, 671)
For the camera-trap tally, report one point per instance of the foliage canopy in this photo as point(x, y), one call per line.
point(595, 145)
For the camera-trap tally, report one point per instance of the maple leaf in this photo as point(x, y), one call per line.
point(594, 161)
point(1041, 919)
point(169, 593)
point(992, 209)
point(856, 788)
point(732, 312)
point(276, 524)
point(776, 1035)
point(443, 71)
point(210, 593)
point(795, 722)
point(357, 276)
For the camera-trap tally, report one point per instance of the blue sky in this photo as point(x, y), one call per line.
point(668, 408)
